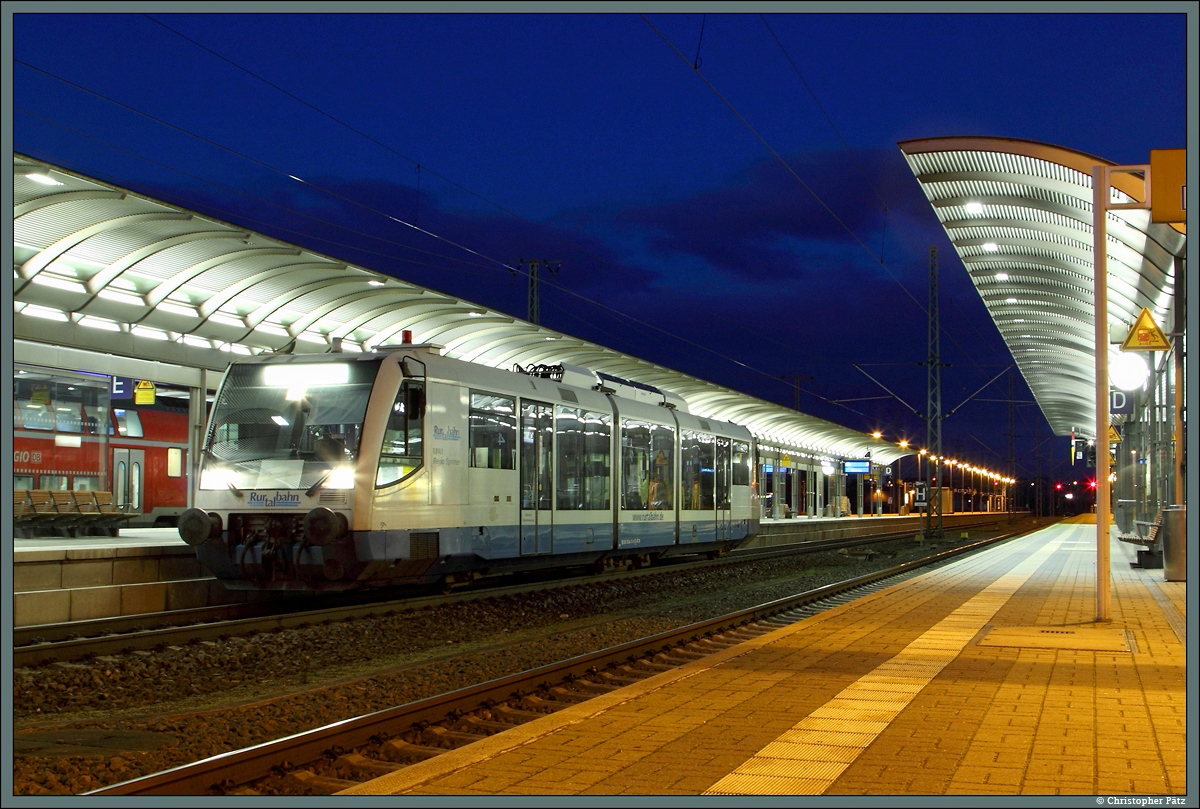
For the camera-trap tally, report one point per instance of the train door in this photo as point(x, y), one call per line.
point(128, 473)
point(537, 475)
point(724, 527)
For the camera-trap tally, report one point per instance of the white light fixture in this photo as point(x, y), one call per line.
point(99, 323)
point(45, 312)
point(308, 375)
point(153, 334)
point(44, 178)
point(1001, 276)
point(121, 297)
point(974, 208)
point(991, 247)
point(177, 309)
point(59, 283)
point(1128, 370)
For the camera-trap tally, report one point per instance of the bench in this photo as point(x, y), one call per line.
point(39, 512)
point(111, 517)
point(1146, 534)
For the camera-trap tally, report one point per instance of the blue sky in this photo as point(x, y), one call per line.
point(731, 183)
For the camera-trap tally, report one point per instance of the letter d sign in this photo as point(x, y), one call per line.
point(1118, 403)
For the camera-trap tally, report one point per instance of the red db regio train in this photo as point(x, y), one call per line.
point(70, 434)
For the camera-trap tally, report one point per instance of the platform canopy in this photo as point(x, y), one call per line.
point(1019, 214)
point(106, 270)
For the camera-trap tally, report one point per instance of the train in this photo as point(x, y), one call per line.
point(400, 466)
point(69, 436)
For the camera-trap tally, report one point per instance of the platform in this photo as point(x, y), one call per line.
point(140, 571)
point(988, 676)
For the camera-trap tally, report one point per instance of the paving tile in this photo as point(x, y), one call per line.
point(890, 695)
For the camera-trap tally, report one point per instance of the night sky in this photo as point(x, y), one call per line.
point(723, 193)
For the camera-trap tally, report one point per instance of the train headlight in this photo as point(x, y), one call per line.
point(197, 526)
point(341, 478)
point(322, 526)
point(217, 478)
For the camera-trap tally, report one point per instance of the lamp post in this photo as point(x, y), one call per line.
point(950, 462)
point(902, 497)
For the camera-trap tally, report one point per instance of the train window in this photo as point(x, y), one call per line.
point(647, 466)
point(95, 420)
point(174, 462)
point(35, 415)
point(696, 470)
point(85, 483)
point(721, 469)
point(129, 423)
point(493, 431)
point(582, 441)
point(402, 453)
point(741, 463)
point(287, 425)
point(135, 486)
point(56, 483)
point(67, 417)
point(22, 481)
point(537, 441)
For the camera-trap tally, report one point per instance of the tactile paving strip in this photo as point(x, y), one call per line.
point(811, 759)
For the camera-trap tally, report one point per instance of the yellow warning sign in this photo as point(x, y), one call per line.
point(1145, 335)
point(143, 392)
point(1114, 437)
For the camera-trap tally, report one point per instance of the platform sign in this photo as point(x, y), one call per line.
point(920, 494)
point(1120, 403)
point(143, 392)
point(1145, 335)
point(1168, 185)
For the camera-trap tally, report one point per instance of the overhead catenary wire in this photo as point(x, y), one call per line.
point(481, 257)
point(878, 259)
point(495, 262)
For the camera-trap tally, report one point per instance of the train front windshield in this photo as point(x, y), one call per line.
point(288, 425)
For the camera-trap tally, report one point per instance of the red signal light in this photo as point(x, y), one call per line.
point(1091, 484)
point(1058, 486)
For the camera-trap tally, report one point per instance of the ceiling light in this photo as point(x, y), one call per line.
point(1001, 276)
point(59, 283)
point(121, 297)
point(177, 309)
point(991, 247)
point(43, 178)
point(974, 208)
point(1128, 371)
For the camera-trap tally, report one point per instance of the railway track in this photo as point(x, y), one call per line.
point(58, 643)
point(343, 754)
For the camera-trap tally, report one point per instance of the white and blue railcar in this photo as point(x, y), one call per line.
point(402, 466)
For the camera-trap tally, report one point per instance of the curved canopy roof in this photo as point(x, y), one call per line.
point(108, 270)
point(1019, 214)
